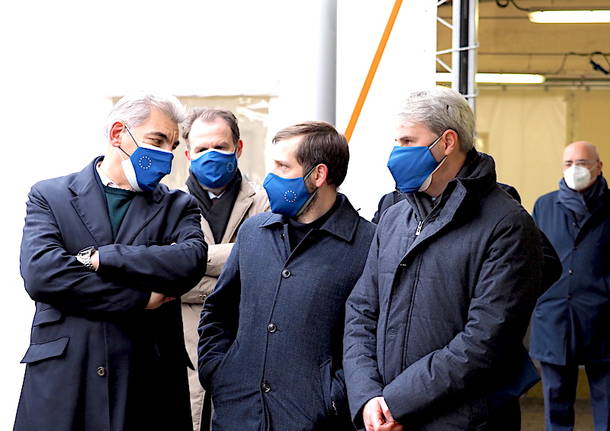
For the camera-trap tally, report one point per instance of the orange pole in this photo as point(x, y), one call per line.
point(372, 70)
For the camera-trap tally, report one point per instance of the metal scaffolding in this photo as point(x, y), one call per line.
point(463, 48)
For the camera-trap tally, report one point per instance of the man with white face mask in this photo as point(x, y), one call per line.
point(571, 320)
point(226, 200)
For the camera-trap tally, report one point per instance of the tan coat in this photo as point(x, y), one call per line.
point(250, 200)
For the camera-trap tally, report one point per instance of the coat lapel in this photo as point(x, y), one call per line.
point(207, 231)
point(143, 208)
point(89, 203)
point(243, 202)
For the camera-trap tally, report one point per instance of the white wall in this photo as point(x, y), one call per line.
point(408, 63)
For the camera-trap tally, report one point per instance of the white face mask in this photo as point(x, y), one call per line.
point(577, 177)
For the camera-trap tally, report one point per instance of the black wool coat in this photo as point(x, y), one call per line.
point(271, 333)
point(98, 361)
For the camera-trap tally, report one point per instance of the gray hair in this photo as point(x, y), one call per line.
point(440, 109)
point(208, 115)
point(134, 110)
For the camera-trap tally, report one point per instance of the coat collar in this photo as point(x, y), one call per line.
point(243, 202)
point(342, 223)
point(476, 179)
point(89, 201)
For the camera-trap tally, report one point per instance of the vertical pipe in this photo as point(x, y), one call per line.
point(464, 57)
point(456, 43)
point(464, 61)
point(326, 88)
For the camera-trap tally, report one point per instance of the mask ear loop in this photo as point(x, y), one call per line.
point(428, 180)
point(313, 194)
point(132, 138)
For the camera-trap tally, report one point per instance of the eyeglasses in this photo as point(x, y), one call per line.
point(581, 162)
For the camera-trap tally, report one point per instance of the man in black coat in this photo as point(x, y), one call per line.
point(104, 254)
point(571, 323)
point(270, 351)
point(434, 327)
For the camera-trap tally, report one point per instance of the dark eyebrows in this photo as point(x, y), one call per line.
point(163, 137)
point(406, 138)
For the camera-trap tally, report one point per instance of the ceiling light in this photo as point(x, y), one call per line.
point(499, 78)
point(570, 16)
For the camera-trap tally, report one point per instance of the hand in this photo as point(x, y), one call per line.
point(157, 300)
point(95, 260)
point(377, 416)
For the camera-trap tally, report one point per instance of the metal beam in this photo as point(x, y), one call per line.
point(464, 46)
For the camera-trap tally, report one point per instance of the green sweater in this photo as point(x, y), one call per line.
point(118, 201)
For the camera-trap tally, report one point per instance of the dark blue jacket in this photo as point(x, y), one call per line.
point(551, 266)
point(271, 334)
point(98, 361)
point(571, 321)
point(436, 322)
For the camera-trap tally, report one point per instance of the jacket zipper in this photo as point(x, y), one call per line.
point(409, 312)
point(419, 226)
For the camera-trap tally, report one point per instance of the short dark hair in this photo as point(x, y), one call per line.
point(209, 114)
point(321, 144)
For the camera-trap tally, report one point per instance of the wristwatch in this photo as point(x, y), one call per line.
point(84, 257)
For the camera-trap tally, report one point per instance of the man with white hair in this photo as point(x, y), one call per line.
point(434, 326)
point(572, 319)
point(104, 254)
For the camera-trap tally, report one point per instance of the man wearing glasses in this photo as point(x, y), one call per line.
point(571, 321)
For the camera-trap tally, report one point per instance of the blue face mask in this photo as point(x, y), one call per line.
point(287, 196)
point(213, 168)
point(146, 166)
point(412, 167)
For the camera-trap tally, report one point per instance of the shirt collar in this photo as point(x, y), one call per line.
point(105, 179)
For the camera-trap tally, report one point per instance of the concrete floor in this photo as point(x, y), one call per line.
point(532, 414)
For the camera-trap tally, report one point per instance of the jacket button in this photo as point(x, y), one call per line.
point(101, 371)
point(266, 387)
point(571, 271)
point(286, 273)
point(271, 327)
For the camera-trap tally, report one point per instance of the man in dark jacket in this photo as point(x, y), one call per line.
point(571, 324)
point(271, 333)
point(105, 252)
point(434, 327)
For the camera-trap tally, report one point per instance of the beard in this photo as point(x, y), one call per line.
point(312, 200)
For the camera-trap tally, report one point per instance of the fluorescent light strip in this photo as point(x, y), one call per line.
point(499, 78)
point(570, 16)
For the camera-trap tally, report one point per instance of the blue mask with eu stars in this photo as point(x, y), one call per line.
point(146, 166)
point(287, 196)
point(214, 168)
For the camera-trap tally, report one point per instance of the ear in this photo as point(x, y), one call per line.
point(319, 175)
point(115, 134)
point(187, 153)
point(452, 142)
point(240, 147)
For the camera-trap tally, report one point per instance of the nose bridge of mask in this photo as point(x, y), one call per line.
point(212, 150)
point(214, 168)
